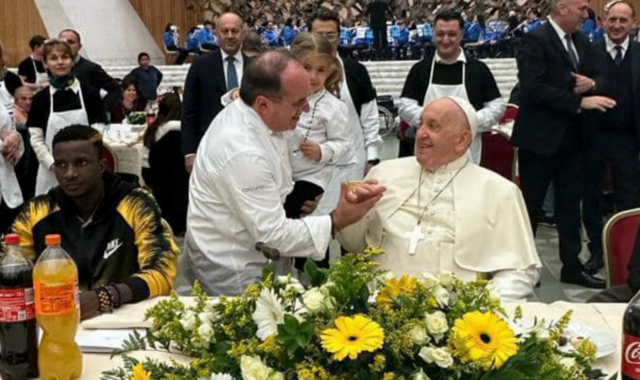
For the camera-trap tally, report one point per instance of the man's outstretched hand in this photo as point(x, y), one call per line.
point(355, 204)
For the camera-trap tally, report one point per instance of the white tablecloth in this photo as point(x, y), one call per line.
point(607, 317)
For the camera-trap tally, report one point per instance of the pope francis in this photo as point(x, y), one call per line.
point(442, 212)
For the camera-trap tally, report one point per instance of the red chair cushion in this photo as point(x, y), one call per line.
point(497, 154)
point(622, 238)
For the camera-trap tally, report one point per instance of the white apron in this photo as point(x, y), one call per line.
point(40, 77)
point(46, 180)
point(6, 99)
point(437, 91)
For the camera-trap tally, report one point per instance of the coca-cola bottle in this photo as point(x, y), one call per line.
point(18, 334)
point(631, 340)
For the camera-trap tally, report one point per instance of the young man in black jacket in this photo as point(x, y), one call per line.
point(112, 229)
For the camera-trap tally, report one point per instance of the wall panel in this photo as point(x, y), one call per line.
point(20, 21)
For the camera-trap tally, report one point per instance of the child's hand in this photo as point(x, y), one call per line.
point(311, 150)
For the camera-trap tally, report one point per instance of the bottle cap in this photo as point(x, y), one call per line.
point(52, 240)
point(12, 239)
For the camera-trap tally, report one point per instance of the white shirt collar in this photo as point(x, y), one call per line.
point(75, 87)
point(610, 45)
point(452, 166)
point(237, 56)
point(561, 33)
point(460, 58)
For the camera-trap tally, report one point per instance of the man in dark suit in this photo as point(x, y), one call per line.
point(613, 137)
point(210, 77)
point(89, 72)
point(555, 70)
point(377, 11)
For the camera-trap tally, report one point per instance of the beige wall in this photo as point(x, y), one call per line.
point(20, 21)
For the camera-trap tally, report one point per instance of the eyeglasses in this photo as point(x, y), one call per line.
point(331, 36)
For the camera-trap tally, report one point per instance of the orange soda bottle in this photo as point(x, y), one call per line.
point(55, 278)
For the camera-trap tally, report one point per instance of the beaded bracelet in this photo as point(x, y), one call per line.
point(104, 300)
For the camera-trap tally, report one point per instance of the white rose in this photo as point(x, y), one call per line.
point(442, 296)
point(446, 279)
point(437, 324)
point(252, 368)
point(440, 356)
point(315, 300)
point(325, 288)
point(188, 321)
point(419, 335)
point(420, 375)
point(429, 280)
point(205, 331)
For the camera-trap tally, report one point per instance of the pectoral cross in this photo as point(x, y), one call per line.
point(416, 235)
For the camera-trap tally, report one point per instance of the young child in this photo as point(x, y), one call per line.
point(319, 140)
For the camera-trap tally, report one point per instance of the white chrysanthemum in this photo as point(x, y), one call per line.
point(269, 314)
point(252, 368)
point(289, 283)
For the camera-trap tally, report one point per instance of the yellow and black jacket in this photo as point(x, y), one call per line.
point(126, 240)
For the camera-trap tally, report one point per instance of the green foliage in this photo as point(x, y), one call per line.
point(295, 334)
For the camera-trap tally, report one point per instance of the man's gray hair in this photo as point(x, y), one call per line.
point(20, 90)
point(262, 76)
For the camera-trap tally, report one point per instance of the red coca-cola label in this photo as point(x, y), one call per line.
point(16, 305)
point(631, 356)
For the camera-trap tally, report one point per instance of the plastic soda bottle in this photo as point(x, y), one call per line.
point(18, 333)
point(55, 277)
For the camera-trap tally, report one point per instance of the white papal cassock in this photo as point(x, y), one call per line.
point(475, 224)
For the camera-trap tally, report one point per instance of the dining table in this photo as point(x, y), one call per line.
point(602, 317)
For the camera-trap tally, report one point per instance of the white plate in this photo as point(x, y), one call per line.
point(604, 341)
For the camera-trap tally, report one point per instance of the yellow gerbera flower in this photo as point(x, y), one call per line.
point(483, 338)
point(394, 288)
point(139, 373)
point(351, 336)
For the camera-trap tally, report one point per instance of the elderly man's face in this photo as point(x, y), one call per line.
point(230, 33)
point(619, 22)
point(24, 99)
point(574, 12)
point(283, 114)
point(443, 135)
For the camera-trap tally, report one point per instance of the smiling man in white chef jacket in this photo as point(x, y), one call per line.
point(241, 178)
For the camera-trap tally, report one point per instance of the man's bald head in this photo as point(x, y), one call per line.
point(444, 134)
point(230, 32)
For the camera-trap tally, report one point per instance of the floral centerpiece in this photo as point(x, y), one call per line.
point(137, 118)
point(434, 327)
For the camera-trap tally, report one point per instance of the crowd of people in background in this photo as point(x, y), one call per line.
point(497, 36)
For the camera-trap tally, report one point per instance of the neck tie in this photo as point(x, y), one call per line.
point(618, 57)
point(572, 54)
point(232, 76)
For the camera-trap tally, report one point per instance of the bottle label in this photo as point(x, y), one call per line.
point(56, 299)
point(16, 305)
point(631, 356)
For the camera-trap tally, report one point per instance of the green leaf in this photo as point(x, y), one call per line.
point(293, 334)
point(316, 276)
